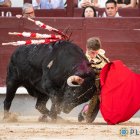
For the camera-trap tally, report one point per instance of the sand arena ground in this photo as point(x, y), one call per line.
point(28, 128)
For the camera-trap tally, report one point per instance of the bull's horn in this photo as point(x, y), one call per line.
point(76, 79)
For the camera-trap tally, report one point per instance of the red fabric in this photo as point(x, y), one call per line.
point(120, 93)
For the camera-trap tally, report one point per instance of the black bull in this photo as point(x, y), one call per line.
point(57, 71)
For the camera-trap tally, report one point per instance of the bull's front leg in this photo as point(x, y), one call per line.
point(54, 95)
point(55, 108)
point(41, 107)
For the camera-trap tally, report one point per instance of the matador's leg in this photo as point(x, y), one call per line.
point(94, 103)
point(93, 109)
point(90, 111)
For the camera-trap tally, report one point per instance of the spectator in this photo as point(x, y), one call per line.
point(95, 3)
point(27, 11)
point(36, 4)
point(5, 3)
point(89, 11)
point(85, 3)
point(65, 3)
point(51, 4)
point(101, 3)
point(111, 8)
point(126, 3)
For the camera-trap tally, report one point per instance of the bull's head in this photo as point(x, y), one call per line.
point(78, 90)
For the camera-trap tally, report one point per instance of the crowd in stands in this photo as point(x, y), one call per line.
point(60, 4)
point(110, 7)
point(88, 11)
point(88, 6)
point(101, 3)
point(52, 4)
point(48, 4)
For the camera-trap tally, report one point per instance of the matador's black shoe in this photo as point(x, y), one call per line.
point(82, 114)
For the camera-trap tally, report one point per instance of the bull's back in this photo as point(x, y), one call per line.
point(32, 55)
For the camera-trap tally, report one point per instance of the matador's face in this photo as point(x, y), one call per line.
point(92, 53)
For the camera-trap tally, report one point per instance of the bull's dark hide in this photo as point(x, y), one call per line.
point(44, 69)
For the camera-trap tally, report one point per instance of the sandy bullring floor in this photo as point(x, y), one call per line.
point(28, 128)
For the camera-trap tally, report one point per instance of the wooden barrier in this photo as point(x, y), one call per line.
point(8, 12)
point(119, 36)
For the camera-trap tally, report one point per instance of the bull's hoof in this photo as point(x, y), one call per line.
point(10, 117)
point(60, 118)
point(43, 118)
point(53, 120)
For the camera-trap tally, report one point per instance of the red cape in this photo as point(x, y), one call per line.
point(120, 92)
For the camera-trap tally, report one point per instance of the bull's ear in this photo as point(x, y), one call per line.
point(75, 81)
